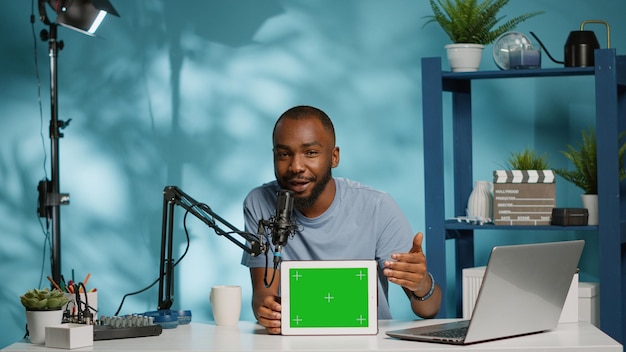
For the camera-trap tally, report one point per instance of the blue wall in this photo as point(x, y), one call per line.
point(186, 93)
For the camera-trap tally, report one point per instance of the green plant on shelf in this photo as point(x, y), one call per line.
point(468, 21)
point(584, 158)
point(528, 160)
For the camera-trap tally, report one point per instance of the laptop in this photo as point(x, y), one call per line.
point(523, 292)
point(329, 297)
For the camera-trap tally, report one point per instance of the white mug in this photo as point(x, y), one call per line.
point(226, 304)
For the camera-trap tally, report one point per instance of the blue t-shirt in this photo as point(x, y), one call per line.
point(362, 223)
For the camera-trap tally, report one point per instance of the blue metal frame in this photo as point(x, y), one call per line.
point(610, 81)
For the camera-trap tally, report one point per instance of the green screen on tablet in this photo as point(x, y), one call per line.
point(329, 297)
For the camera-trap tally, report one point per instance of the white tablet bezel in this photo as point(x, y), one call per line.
point(372, 299)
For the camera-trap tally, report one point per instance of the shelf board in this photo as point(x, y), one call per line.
point(541, 72)
point(455, 225)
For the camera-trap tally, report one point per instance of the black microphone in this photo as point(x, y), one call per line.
point(283, 225)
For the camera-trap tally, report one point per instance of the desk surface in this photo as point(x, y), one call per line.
point(249, 336)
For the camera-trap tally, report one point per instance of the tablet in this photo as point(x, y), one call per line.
point(329, 297)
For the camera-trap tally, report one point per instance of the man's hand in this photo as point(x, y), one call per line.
point(268, 314)
point(265, 301)
point(409, 270)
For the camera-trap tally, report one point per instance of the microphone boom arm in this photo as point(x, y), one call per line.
point(173, 196)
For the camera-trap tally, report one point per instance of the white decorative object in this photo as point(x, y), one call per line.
point(480, 202)
point(590, 201)
point(464, 57)
point(509, 44)
point(69, 336)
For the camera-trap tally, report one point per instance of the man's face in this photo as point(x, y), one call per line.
point(304, 154)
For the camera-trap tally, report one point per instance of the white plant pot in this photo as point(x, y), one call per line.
point(37, 320)
point(464, 57)
point(590, 201)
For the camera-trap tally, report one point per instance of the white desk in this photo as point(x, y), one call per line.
point(249, 336)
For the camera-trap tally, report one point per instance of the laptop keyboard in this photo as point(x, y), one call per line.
point(456, 333)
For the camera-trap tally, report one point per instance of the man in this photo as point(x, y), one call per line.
point(337, 219)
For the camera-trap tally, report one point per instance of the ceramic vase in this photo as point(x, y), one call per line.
point(37, 320)
point(480, 202)
point(590, 201)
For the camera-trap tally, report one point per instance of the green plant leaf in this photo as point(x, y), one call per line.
point(528, 160)
point(584, 158)
point(467, 21)
point(45, 299)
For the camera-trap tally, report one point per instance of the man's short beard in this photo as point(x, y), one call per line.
point(303, 203)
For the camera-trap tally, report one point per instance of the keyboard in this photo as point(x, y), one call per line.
point(456, 333)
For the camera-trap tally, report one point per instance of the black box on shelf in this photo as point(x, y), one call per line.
point(570, 216)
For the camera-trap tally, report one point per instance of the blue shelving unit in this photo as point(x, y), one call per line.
point(609, 75)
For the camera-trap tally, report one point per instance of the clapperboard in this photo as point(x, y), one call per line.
point(523, 197)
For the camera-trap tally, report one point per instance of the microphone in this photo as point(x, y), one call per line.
point(282, 225)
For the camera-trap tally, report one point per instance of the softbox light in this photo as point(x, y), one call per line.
point(82, 15)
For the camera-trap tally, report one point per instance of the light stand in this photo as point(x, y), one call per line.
point(50, 199)
point(173, 196)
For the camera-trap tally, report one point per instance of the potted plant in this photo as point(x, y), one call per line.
point(528, 160)
point(471, 25)
point(585, 172)
point(524, 192)
point(43, 308)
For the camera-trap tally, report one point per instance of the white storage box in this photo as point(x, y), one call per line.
point(69, 336)
point(589, 302)
point(473, 278)
point(570, 308)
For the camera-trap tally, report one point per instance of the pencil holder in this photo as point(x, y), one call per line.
point(90, 302)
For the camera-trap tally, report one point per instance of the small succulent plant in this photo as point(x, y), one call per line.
point(45, 299)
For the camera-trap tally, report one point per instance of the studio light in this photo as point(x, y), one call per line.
point(81, 15)
point(84, 16)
